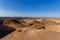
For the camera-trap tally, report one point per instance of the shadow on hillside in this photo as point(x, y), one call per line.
point(5, 30)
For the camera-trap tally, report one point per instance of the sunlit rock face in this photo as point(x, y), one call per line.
point(29, 29)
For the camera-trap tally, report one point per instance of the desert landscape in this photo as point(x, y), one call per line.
point(18, 28)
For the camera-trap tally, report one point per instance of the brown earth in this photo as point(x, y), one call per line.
point(29, 29)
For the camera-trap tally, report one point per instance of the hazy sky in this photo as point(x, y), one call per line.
point(33, 8)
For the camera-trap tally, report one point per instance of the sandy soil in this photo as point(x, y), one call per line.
point(29, 29)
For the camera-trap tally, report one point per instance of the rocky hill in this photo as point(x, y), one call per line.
point(29, 29)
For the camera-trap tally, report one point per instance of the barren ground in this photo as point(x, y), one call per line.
point(29, 29)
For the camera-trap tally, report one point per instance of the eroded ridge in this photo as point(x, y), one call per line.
point(5, 30)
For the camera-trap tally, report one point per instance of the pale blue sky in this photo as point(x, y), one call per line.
point(30, 8)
